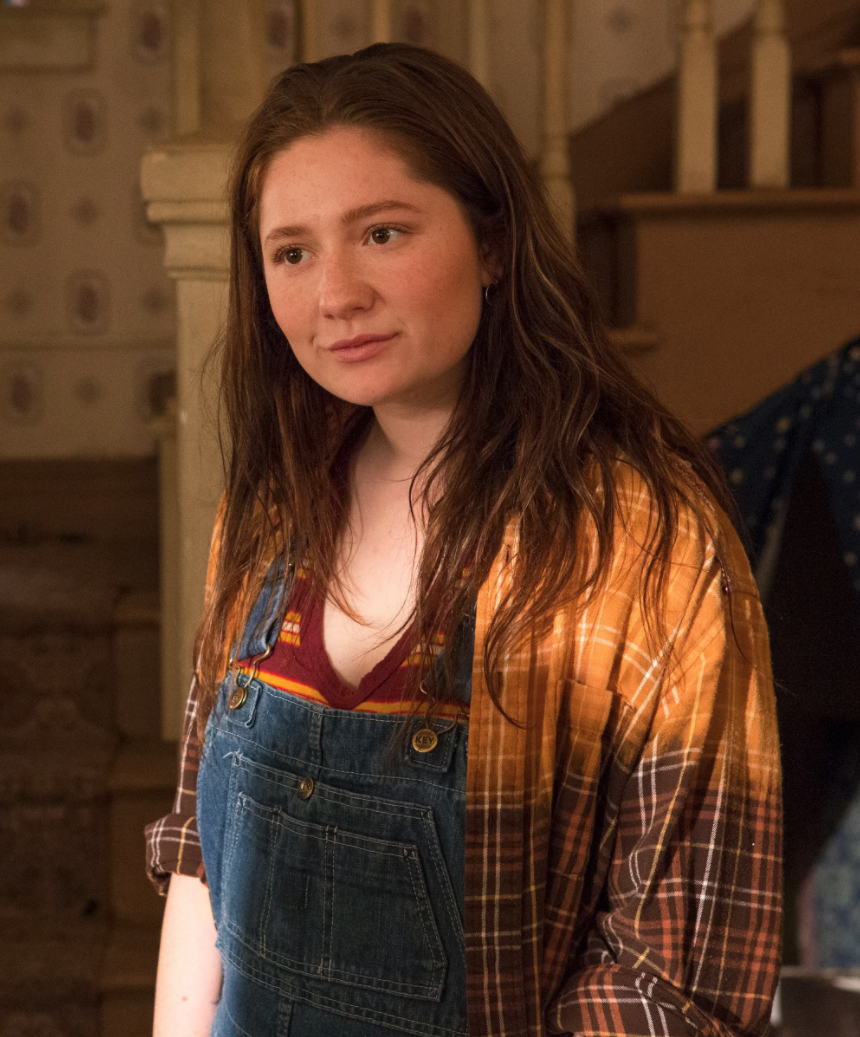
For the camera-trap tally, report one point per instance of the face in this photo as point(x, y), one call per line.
point(374, 277)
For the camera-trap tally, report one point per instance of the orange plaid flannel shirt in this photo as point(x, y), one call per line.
point(623, 864)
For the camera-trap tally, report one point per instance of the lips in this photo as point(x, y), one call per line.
point(362, 347)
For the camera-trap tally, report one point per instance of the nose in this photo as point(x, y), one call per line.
point(343, 289)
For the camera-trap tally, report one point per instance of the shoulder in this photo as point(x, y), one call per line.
point(680, 530)
point(665, 590)
point(703, 535)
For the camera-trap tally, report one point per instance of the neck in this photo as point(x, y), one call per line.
point(400, 440)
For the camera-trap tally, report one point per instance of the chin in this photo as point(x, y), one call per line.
point(363, 400)
point(363, 396)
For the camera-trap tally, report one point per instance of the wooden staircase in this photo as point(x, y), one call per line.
point(721, 298)
point(141, 785)
point(82, 764)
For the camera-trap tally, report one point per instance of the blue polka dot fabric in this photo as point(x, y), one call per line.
point(830, 901)
point(819, 412)
point(762, 450)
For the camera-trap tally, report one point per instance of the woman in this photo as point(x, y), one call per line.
point(494, 749)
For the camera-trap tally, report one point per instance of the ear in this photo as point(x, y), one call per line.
point(491, 268)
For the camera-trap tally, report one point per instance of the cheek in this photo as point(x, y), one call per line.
point(451, 290)
point(460, 299)
point(274, 301)
point(287, 313)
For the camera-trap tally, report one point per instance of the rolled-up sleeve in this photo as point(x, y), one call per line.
point(172, 842)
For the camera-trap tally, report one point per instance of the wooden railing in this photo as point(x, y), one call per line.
point(770, 99)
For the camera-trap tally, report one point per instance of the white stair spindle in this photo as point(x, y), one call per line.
point(381, 21)
point(555, 161)
point(696, 148)
point(770, 98)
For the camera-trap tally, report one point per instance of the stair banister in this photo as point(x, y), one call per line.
point(555, 160)
point(696, 130)
point(770, 98)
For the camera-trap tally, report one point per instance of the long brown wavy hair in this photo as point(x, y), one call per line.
point(548, 410)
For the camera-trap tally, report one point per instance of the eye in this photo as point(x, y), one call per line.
point(383, 235)
point(292, 255)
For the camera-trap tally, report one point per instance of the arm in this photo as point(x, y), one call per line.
point(172, 842)
point(684, 935)
point(188, 984)
point(189, 965)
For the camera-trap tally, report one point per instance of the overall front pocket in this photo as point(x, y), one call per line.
point(334, 887)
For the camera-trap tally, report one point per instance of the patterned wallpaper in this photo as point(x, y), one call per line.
point(86, 310)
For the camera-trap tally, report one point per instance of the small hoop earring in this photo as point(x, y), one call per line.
point(487, 288)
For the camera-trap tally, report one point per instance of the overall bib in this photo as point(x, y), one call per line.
point(334, 857)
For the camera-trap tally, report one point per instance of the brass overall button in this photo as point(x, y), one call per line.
point(306, 787)
point(237, 697)
point(424, 741)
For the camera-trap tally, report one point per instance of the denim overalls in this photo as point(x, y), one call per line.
point(334, 862)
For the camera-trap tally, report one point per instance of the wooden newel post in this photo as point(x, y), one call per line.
point(220, 79)
point(770, 98)
point(555, 161)
point(174, 668)
point(696, 140)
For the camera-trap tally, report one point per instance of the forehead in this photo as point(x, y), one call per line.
point(341, 158)
point(341, 169)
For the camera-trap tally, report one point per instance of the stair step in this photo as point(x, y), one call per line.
point(145, 766)
point(670, 203)
point(49, 978)
point(137, 608)
point(642, 128)
point(142, 785)
point(818, 1004)
point(127, 982)
point(130, 960)
point(635, 339)
point(746, 289)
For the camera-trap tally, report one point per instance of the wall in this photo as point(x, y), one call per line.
point(86, 310)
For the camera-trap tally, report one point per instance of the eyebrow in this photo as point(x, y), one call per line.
point(360, 212)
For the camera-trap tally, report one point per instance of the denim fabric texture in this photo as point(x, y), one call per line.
point(334, 854)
